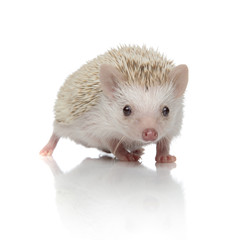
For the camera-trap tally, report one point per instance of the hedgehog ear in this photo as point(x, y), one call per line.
point(109, 79)
point(179, 76)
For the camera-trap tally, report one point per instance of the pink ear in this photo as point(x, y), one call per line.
point(109, 79)
point(179, 76)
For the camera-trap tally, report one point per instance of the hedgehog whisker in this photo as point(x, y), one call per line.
point(120, 141)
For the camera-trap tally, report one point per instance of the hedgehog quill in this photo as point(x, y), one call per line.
point(120, 102)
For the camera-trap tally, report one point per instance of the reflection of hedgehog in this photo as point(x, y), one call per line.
point(102, 198)
point(121, 101)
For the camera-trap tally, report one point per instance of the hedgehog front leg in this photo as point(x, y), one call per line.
point(49, 148)
point(163, 155)
point(121, 153)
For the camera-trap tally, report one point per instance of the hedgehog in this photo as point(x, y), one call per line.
point(121, 101)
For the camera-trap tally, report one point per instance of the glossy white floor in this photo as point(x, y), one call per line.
point(76, 194)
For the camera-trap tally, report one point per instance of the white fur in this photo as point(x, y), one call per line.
point(106, 122)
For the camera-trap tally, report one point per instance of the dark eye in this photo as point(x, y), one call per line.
point(165, 111)
point(127, 110)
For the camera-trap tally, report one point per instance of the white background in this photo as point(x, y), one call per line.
point(41, 43)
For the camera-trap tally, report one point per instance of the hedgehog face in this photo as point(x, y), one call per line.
point(144, 113)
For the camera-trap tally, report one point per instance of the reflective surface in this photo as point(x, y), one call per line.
point(105, 197)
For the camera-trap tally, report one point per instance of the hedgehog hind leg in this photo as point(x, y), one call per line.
point(49, 148)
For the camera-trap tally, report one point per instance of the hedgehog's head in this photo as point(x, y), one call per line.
point(144, 113)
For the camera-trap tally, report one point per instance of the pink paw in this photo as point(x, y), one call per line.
point(139, 152)
point(132, 157)
point(128, 157)
point(165, 159)
point(46, 151)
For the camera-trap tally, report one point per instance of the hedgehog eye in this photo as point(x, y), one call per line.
point(165, 111)
point(127, 110)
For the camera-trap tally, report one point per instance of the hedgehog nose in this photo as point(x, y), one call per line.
point(149, 134)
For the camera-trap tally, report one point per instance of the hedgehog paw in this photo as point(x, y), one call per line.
point(165, 159)
point(127, 156)
point(48, 149)
point(139, 152)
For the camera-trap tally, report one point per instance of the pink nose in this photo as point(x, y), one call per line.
point(149, 134)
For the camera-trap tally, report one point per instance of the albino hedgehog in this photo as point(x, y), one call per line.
point(121, 101)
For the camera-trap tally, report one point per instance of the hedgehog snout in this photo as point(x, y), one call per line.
point(149, 134)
